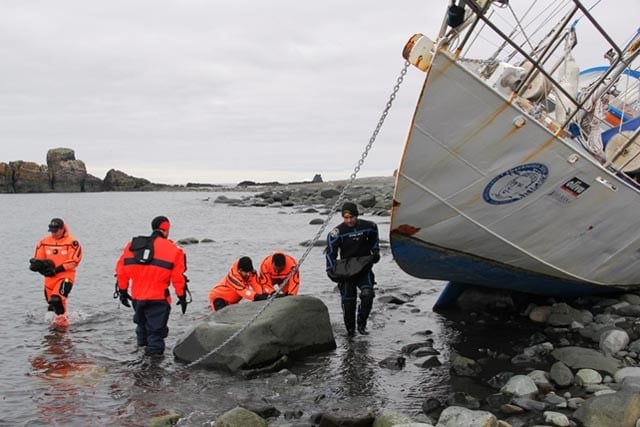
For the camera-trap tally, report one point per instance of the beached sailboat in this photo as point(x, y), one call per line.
point(519, 171)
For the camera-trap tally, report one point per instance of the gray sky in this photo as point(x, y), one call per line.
point(215, 91)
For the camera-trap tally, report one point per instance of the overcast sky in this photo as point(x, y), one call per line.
point(215, 91)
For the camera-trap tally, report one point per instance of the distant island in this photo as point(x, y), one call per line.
point(63, 173)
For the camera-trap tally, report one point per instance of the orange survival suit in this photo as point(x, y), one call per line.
point(233, 287)
point(66, 254)
point(151, 281)
point(269, 277)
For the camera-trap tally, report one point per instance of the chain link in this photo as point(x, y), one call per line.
point(323, 227)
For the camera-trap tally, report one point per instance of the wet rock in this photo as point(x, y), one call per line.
point(165, 420)
point(455, 416)
point(464, 366)
point(391, 419)
point(463, 399)
point(620, 409)
point(556, 419)
point(410, 348)
point(520, 385)
point(264, 411)
point(529, 404)
point(587, 376)
point(540, 378)
point(540, 314)
point(500, 379)
point(395, 363)
point(581, 357)
point(623, 373)
point(240, 417)
point(613, 341)
point(563, 314)
point(344, 419)
point(188, 241)
point(555, 401)
point(296, 325)
point(561, 374)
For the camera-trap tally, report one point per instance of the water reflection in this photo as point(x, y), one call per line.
point(357, 369)
point(65, 377)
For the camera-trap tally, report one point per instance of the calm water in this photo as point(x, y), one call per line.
point(90, 374)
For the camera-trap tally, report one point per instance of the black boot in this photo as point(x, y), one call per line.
point(349, 316)
point(366, 303)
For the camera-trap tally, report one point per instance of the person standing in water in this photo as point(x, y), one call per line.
point(356, 241)
point(148, 265)
point(57, 257)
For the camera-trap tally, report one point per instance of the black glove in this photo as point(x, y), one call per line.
point(42, 266)
point(376, 257)
point(182, 302)
point(261, 297)
point(48, 270)
point(124, 297)
point(59, 269)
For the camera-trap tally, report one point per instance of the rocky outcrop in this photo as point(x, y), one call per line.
point(27, 177)
point(116, 180)
point(65, 174)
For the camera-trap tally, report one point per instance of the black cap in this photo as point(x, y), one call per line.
point(245, 264)
point(56, 224)
point(349, 208)
point(157, 223)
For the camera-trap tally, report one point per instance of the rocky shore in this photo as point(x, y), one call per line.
point(63, 173)
point(373, 195)
point(517, 363)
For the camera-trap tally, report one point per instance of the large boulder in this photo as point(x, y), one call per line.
point(291, 326)
point(65, 172)
point(621, 409)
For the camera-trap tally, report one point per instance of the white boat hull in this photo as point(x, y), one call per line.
point(481, 182)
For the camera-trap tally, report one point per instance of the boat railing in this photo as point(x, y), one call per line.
point(538, 63)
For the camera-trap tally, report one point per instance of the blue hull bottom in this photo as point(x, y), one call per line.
point(426, 261)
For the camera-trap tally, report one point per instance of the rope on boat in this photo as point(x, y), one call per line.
point(322, 228)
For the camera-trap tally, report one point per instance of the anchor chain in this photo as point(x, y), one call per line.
point(322, 228)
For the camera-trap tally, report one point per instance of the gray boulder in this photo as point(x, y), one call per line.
point(580, 357)
point(290, 326)
point(620, 409)
point(240, 417)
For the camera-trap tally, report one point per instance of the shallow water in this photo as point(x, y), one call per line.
point(90, 374)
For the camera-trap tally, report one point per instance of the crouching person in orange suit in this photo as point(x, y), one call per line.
point(240, 282)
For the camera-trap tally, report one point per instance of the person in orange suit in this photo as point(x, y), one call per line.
point(277, 267)
point(149, 264)
point(57, 257)
point(240, 282)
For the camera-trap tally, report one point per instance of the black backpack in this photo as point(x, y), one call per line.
point(142, 248)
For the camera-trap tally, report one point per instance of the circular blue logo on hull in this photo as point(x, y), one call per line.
point(515, 184)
